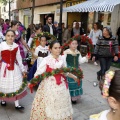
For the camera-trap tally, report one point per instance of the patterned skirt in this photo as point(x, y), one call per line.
point(52, 101)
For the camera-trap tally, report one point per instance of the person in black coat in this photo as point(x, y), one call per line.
point(77, 30)
point(28, 33)
point(49, 27)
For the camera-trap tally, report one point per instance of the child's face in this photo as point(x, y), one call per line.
point(10, 36)
point(73, 45)
point(56, 50)
point(43, 41)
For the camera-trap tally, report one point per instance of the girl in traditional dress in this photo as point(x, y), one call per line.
point(52, 100)
point(19, 40)
point(74, 59)
point(11, 70)
point(110, 91)
point(34, 41)
point(40, 52)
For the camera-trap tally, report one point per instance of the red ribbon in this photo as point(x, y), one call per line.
point(110, 43)
point(31, 87)
point(78, 83)
point(7, 65)
point(89, 54)
point(58, 79)
point(57, 76)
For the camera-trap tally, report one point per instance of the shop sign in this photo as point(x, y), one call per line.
point(73, 2)
point(27, 12)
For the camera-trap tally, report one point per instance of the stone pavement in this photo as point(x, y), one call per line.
point(91, 101)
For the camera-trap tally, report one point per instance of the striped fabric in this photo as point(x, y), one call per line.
point(93, 5)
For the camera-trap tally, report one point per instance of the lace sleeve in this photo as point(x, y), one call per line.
point(41, 68)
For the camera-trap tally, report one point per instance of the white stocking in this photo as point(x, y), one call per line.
point(16, 103)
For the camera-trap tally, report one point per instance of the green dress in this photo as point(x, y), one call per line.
point(74, 88)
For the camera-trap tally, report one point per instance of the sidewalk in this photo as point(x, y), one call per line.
point(91, 101)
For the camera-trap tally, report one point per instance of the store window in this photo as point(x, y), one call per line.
point(104, 18)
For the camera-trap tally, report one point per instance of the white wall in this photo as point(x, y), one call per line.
point(44, 9)
point(115, 19)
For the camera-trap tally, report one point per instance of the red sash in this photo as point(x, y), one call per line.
point(57, 76)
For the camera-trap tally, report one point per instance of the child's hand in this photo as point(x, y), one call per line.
point(24, 74)
point(77, 80)
point(115, 58)
point(88, 56)
point(28, 85)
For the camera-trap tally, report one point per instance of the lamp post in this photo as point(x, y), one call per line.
point(60, 22)
point(9, 10)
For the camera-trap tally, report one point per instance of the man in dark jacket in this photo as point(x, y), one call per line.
point(77, 30)
point(49, 27)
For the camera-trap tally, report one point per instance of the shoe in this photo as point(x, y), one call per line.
point(74, 102)
point(95, 63)
point(3, 103)
point(98, 77)
point(19, 108)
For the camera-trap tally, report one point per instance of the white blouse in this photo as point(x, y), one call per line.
point(100, 116)
point(52, 62)
point(43, 50)
point(94, 35)
point(80, 60)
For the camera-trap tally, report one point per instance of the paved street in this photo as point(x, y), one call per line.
point(91, 102)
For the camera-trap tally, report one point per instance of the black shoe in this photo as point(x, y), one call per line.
point(98, 77)
point(19, 108)
point(74, 102)
point(3, 103)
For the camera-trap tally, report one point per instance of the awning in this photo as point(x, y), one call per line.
point(93, 5)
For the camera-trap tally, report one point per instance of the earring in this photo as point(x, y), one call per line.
point(113, 110)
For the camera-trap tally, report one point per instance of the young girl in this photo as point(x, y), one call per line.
point(111, 91)
point(52, 100)
point(38, 30)
point(34, 42)
point(73, 58)
point(11, 70)
point(19, 40)
point(40, 52)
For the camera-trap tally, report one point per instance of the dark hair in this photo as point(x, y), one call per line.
point(52, 43)
point(42, 37)
point(7, 20)
point(98, 25)
point(10, 31)
point(114, 90)
point(14, 22)
point(48, 17)
point(37, 27)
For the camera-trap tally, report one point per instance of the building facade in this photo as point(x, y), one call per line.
point(22, 11)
